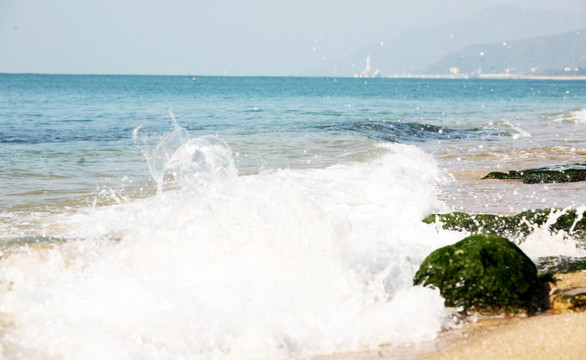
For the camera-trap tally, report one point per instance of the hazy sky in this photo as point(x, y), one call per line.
point(213, 37)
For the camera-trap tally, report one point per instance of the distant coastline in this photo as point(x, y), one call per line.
point(486, 76)
point(386, 76)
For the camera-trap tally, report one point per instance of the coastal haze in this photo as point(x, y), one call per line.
point(260, 37)
point(502, 39)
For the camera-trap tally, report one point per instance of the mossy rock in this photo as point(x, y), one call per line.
point(554, 174)
point(521, 224)
point(484, 272)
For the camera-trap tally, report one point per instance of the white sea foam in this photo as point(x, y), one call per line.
point(277, 265)
point(543, 242)
point(519, 131)
point(572, 117)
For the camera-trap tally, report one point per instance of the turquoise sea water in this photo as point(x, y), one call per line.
point(228, 217)
point(62, 136)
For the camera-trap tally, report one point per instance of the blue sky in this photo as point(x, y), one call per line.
point(246, 37)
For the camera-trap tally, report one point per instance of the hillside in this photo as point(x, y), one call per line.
point(545, 55)
point(414, 51)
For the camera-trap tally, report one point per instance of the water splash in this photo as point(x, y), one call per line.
point(176, 159)
point(542, 241)
point(282, 264)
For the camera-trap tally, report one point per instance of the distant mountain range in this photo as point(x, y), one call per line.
point(436, 49)
point(563, 54)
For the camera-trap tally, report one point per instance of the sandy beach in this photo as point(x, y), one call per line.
point(541, 337)
point(547, 336)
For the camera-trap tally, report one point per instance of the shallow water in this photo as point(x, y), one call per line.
point(161, 217)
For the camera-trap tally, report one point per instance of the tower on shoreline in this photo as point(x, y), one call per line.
point(367, 72)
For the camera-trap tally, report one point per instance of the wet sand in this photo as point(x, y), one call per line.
point(550, 335)
point(540, 337)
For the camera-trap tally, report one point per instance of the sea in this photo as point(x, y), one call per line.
point(182, 217)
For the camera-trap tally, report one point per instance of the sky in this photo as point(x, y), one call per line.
point(212, 37)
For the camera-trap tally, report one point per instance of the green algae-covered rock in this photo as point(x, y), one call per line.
point(554, 174)
point(479, 223)
point(522, 224)
point(484, 272)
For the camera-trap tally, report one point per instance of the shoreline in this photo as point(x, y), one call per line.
point(549, 335)
point(389, 76)
point(487, 76)
point(545, 336)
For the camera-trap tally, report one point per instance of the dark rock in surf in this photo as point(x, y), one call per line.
point(522, 224)
point(554, 174)
point(572, 299)
point(484, 272)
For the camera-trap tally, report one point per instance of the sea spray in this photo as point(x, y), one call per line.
point(286, 263)
point(183, 159)
point(543, 241)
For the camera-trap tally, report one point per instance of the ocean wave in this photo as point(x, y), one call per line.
point(282, 264)
point(576, 116)
point(515, 131)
